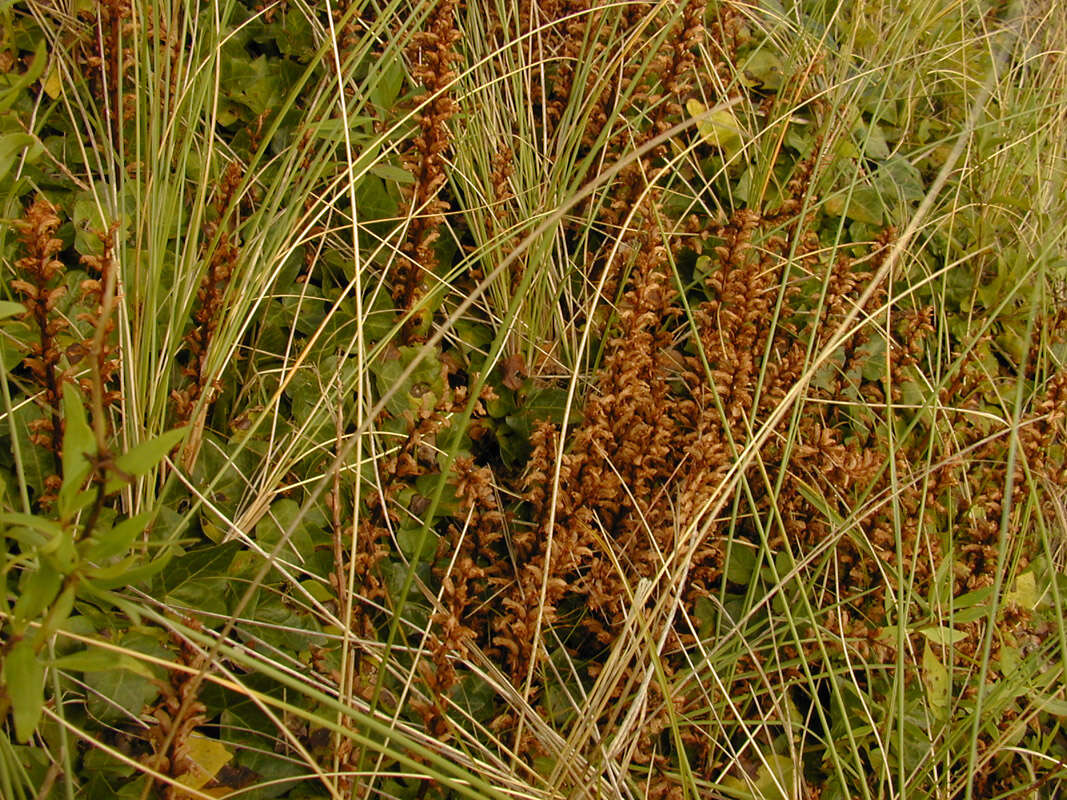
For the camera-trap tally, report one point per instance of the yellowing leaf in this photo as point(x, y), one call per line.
point(719, 128)
point(204, 758)
point(52, 83)
point(774, 781)
point(938, 634)
point(1024, 594)
point(776, 777)
point(937, 682)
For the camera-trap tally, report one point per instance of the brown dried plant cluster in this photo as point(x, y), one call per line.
point(108, 59)
point(222, 243)
point(668, 417)
point(177, 715)
point(678, 396)
point(40, 287)
point(58, 351)
point(684, 384)
point(462, 549)
point(431, 55)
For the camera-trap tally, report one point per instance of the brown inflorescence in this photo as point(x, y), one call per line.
point(108, 60)
point(210, 296)
point(103, 270)
point(41, 288)
point(431, 55)
point(863, 477)
point(176, 716)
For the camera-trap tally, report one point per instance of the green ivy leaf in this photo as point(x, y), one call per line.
point(411, 394)
point(871, 140)
point(282, 515)
point(899, 178)
point(119, 692)
point(864, 205)
point(741, 563)
point(202, 562)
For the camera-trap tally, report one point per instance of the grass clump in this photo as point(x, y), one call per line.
point(582, 399)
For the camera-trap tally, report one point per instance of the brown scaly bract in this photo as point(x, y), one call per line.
point(210, 296)
point(40, 287)
point(431, 55)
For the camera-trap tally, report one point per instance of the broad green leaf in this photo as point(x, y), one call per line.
point(774, 781)
point(941, 635)
point(117, 540)
point(319, 590)
point(78, 442)
point(17, 338)
point(374, 200)
point(541, 405)
point(1051, 705)
point(426, 485)
point(1009, 660)
point(705, 613)
point(11, 144)
point(898, 177)
point(118, 693)
point(871, 140)
point(844, 149)
point(776, 777)
point(280, 519)
point(24, 676)
point(741, 563)
point(121, 692)
point(96, 659)
point(90, 219)
point(937, 682)
point(38, 592)
point(204, 562)
point(334, 129)
point(764, 69)
point(133, 576)
point(409, 540)
point(424, 380)
point(53, 83)
point(148, 454)
point(393, 173)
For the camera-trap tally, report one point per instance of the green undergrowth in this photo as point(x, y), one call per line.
point(579, 399)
